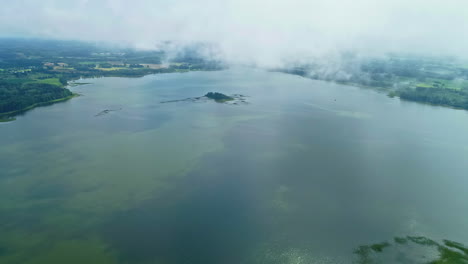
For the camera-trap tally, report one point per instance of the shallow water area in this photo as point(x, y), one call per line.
point(306, 171)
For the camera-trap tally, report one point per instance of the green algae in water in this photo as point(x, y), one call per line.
point(9, 119)
point(420, 240)
point(68, 202)
point(90, 251)
point(271, 254)
point(400, 240)
point(456, 245)
point(413, 249)
point(379, 247)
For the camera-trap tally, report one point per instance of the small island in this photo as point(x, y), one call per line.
point(219, 97)
point(107, 111)
point(234, 99)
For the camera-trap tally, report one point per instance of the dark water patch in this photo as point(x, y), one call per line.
point(303, 192)
point(216, 221)
point(50, 190)
point(227, 211)
point(29, 218)
point(3, 251)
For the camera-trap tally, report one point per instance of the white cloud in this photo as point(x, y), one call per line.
point(258, 31)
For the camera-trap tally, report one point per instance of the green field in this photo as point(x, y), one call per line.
point(53, 81)
point(112, 69)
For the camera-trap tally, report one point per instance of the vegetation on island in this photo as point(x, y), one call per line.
point(219, 97)
point(234, 99)
point(35, 72)
point(437, 81)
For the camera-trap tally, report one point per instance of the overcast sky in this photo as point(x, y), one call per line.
point(261, 31)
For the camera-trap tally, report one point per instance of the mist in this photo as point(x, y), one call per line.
point(258, 32)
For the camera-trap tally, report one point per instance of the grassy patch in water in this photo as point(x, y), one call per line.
point(379, 247)
point(450, 256)
point(363, 253)
point(400, 240)
point(422, 240)
point(413, 249)
point(456, 245)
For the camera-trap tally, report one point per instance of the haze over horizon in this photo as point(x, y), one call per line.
point(265, 33)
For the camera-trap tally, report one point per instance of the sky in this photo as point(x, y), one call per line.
point(262, 32)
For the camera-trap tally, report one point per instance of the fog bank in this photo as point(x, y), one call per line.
point(260, 32)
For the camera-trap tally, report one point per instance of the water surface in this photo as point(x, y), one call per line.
point(307, 171)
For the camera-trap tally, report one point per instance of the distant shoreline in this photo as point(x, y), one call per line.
point(10, 116)
point(39, 73)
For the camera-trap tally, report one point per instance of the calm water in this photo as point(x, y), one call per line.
point(304, 173)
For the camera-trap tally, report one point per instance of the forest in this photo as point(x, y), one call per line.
point(17, 96)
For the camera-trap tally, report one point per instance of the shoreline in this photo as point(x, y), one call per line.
point(3, 120)
point(388, 92)
point(9, 116)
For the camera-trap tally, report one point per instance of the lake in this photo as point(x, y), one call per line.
point(306, 172)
